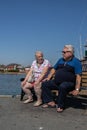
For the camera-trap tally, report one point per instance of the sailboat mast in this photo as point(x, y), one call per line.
point(81, 56)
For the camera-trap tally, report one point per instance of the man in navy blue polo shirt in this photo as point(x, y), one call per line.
point(67, 78)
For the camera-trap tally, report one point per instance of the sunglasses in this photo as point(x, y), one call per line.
point(64, 52)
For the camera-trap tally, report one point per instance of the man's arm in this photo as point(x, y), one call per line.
point(77, 86)
point(78, 82)
point(51, 74)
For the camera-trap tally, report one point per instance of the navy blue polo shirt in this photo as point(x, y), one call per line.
point(66, 71)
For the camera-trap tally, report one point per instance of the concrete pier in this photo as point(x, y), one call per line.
point(14, 115)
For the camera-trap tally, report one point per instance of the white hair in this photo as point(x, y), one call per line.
point(39, 52)
point(70, 48)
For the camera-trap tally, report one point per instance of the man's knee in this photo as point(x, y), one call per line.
point(62, 87)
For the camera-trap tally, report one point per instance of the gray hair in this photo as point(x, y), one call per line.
point(39, 52)
point(70, 48)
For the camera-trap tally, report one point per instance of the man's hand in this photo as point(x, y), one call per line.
point(74, 92)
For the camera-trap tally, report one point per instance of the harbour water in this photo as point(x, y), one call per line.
point(10, 84)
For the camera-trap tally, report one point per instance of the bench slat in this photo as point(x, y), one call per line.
point(84, 80)
point(84, 84)
point(84, 77)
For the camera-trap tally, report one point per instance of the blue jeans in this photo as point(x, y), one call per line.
point(63, 89)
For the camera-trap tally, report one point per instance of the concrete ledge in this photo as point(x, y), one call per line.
point(9, 96)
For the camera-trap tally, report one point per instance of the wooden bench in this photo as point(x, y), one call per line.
point(83, 89)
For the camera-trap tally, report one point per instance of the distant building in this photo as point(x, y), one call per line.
point(2, 67)
point(13, 66)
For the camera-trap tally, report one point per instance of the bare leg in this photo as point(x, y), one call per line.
point(38, 93)
point(26, 89)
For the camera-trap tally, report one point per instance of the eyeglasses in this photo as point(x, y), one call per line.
point(64, 52)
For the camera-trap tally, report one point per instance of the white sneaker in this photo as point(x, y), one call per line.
point(37, 103)
point(28, 101)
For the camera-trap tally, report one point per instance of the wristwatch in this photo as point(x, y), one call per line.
point(77, 89)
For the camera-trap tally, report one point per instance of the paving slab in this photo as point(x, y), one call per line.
point(14, 115)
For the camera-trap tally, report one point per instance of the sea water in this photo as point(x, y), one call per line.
point(10, 84)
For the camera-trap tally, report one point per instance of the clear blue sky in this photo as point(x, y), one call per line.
point(47, 25)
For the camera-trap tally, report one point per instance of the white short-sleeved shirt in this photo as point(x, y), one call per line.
point(38, 70)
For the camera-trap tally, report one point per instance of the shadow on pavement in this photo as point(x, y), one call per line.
point(76, 102)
